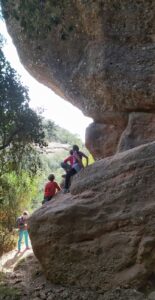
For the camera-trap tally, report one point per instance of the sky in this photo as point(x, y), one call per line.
point(54, 108)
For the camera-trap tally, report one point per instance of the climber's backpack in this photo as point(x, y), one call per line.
point(21, 223)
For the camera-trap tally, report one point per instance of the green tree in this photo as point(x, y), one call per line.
point(50, 130)
point(18, 122)
point(21, 132)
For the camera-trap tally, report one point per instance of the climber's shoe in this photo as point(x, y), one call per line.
point(18, 251)
point(27, 248)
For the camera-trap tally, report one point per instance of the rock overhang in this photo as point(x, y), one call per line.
point(99, 55)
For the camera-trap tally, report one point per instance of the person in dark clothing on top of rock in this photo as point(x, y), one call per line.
point(51, 188)
point(76, 167)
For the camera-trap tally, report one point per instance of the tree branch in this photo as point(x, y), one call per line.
point(9, 140)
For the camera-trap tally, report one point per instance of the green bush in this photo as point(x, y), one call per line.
point(16, 193)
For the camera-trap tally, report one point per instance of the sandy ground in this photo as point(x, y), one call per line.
point(11, 259)
point(23, 274)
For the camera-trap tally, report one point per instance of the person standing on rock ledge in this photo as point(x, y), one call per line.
point(51, 188)
point(76, 167)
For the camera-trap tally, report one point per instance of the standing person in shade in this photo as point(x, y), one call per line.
point(22, 226)
point(51, 188)
point(68, 162)
point(76, 167)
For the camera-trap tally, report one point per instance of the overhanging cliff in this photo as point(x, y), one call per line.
point(99, 55)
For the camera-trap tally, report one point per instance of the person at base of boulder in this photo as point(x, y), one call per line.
point(51, 188)
point(68, 163)
point(76, 167)
point(22, 226)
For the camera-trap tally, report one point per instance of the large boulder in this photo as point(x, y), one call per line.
point(99, 55)
point(103, 234)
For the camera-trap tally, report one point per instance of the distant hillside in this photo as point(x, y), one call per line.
point(55, 133)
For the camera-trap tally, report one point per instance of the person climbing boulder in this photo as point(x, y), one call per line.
point(51, 188)
point(68, 163)
point(76, 166)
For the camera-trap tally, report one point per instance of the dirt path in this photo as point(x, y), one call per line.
point(15, 275)
point(9, 260)
point(23, 279)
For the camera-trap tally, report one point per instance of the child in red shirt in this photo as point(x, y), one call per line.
point(68, 162)
point(51, 188)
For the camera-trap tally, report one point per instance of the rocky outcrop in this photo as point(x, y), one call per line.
point(99, 55)
point(139, 130)
point(102, 236)
point(102, 138)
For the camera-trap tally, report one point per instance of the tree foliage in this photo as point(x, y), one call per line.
point(21, 130)
point(20, 127)
point(18, 122)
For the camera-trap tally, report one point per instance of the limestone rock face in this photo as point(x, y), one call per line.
point(139, 130)
point(125, 294)
point(99, 55)
point(102, 235)
point(102, 138)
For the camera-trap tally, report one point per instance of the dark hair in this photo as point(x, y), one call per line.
point(51, 177)
point(71, 152)
point(25, 213)
point(75, 148)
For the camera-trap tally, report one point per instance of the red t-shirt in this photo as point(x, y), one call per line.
point(71, 159)
point(50, 188)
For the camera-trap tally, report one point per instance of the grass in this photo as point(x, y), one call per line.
point(9, 293)
point(6, 292)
